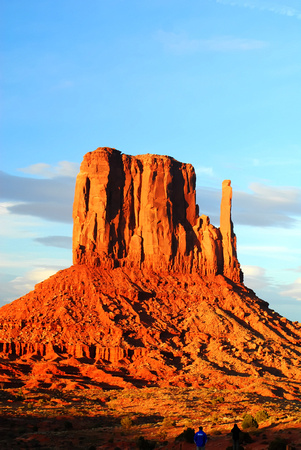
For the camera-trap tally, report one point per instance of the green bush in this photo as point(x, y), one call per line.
point(261, 416)
point(168, 422)
point(277, 444)
point(249, 422)
point(126, 422)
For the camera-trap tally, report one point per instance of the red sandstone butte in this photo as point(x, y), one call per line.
point(155, 295)
point(140, 211)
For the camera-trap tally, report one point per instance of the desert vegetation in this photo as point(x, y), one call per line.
point(144, 418)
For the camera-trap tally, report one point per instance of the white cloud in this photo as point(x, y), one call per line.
point(255, 277)
point(21, 285)
point(293, 290)
point(14, 226)
point(279, 195)
point(180, 43)
point(204, 171)
point(62, 169)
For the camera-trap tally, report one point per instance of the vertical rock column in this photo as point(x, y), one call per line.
point(231, 265)
point(97, 207)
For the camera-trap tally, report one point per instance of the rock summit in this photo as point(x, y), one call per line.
point(141, 212)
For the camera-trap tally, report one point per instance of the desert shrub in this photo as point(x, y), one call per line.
point(126, 422)
point(261, 416)
point(216, 400)
point(249, 422)
point(145, 444)
point(20, 396)
point(167, 422)
point(277, 444)
point(186, 436)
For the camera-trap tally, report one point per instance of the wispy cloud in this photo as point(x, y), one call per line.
point(261, 250)
point(293, 290)
point(273, 7)
point(50, 197)
point(182, 44)
point(62, 169)
point(277, 162)
point(255, 277)
point(201, 170)
point(18, 286)
point(264, 206)
point(268, 206)
point(55, 241)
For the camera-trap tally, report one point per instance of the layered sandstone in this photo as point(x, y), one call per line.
point(129, 327)
point(141, 212)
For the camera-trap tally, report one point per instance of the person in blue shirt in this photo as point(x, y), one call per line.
point(200, 439)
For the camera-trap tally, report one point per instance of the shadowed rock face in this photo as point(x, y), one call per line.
point(141, 212)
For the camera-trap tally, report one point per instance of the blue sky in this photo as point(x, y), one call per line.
point(215, 83)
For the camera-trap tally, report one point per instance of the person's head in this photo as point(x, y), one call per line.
point(201, 428)
point(235, 425)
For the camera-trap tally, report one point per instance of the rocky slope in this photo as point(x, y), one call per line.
point(155, 295)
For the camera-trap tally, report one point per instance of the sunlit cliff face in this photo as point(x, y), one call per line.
point(141, 211)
